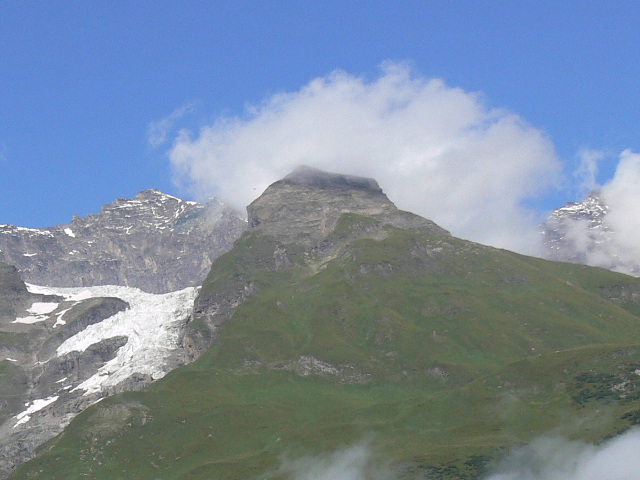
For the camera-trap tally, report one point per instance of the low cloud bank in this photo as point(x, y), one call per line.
point(546, 458)
point(435, 150)
point(558, 459)
point(357, 462)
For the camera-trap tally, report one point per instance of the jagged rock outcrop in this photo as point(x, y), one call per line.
point(155, 242)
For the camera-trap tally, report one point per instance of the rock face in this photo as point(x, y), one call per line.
point(155, 242)
point(305, 206)
point(62, 350)
point(13, 292)
point(580, 232)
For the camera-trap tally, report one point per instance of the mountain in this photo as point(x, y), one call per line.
point(581, 232)
point(301, 213)
point(63, 349)
point(337, 320)
point(155, 242)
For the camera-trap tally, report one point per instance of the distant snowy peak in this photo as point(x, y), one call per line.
point(154, 241)
point(580, 232)
point(592, 208)
point(150, 209)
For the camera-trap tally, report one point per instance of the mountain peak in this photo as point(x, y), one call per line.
point(313, 177)
point(156, 195)
point(306, 205)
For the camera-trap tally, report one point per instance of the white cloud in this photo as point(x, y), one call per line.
point(357, 462)
point(622, 195)
point(558, 459)
point(435, 150)
point(587, 170)
point(158, 130)
point(615, 244)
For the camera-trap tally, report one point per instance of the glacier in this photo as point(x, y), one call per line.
point(151, 324)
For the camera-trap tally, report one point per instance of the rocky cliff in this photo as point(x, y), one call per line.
point(13, 292)
point(155, 242)
point(61, 350)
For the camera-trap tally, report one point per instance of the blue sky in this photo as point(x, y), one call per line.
point(84, 83)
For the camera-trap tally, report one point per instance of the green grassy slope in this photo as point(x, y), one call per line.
point(441, 352)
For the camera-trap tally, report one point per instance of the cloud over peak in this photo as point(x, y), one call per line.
point(435, 150)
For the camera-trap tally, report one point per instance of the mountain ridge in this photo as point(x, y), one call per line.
point(156, 242)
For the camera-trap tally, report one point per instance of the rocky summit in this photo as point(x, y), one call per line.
point(300, 216)
point(306, 205)
point(155, 242)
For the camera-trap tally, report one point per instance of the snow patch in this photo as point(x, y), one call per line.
point(59, 320)
point(69, 294)
point(11, 359)
point(34, 407)
point(33, 231)
point(40, 308)
point(69, 232)
point(39, 312)
point(29, 254)
point(165, 196)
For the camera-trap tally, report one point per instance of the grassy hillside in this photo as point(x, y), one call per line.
point(439, 352)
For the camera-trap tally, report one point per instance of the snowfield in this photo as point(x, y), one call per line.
point(152, 326)
point(39, 312)
point(33, 407)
